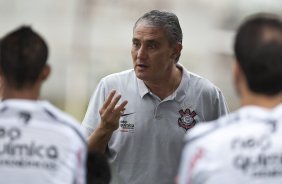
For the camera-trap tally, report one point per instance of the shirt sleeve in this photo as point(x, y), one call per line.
point(212, 104)
point(81, 170)
point(92, 116)
point(222, 108)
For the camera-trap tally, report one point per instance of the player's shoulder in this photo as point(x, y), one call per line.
point(57, 113)
point(2, 106)
point(42, 112)
point(242, 120)
point(63, 118)
point(277, 111)
point(209, 128)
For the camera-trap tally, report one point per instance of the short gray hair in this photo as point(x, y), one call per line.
point(166, 20)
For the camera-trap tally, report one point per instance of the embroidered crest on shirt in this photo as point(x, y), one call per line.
point(187, 120)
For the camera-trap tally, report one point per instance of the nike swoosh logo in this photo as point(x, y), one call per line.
point(127, 114)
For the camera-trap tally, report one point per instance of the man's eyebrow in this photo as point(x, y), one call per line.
point(149, 41)
point(152, 41)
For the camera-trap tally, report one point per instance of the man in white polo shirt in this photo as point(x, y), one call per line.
point(164, 102)
point(244, 147)
point(39, 144)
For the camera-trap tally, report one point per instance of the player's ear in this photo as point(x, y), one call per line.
point(176, 50)
point(238, 77)
point(237, 72)
point(45, 72)
point(1, 73)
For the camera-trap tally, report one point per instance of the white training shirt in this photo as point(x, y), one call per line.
point(243, 148)
point(39, 144)
point(147, 145)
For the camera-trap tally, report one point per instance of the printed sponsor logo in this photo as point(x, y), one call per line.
point(260, 165)
point(15, 152)
point(253, 156)
point(251, 143)
point(125, 125)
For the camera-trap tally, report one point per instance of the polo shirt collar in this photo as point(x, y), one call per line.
point(143, 90)
point(180, 92)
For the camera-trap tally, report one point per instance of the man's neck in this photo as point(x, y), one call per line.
point(165, 87)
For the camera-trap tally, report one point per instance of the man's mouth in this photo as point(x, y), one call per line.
point(142, 66)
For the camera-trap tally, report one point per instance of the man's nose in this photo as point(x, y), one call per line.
point(142, 53)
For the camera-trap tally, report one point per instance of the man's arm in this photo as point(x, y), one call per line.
point(110, 113)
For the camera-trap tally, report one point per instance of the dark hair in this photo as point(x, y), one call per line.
point(166, 20)
point(98, 169)
point(23, 54)
point(258, 50)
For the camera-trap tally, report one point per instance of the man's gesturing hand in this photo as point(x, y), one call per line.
point(111, 112)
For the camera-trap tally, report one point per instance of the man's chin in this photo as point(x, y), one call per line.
point(140, 76)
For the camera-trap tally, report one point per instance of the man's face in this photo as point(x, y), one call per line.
point(153, 57)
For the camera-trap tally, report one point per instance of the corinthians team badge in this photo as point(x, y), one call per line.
point(187, 120)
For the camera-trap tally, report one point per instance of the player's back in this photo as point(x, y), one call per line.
point(40, 144)
point(243, 148)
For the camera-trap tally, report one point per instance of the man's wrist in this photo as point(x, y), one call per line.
point(105, 129)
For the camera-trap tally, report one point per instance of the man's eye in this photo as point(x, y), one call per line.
point(135, 44)
point(152, 46)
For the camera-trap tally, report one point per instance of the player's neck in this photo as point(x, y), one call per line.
point(261, 100)
point(25, 93)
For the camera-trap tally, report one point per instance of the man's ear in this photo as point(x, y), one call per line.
point(45, 72)
point(176, 50)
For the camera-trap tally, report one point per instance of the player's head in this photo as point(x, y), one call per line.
point(258, 51)
point(164, 20)
point(98, 169)
point(23, 56)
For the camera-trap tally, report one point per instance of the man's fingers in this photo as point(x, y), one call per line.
point(121, 107)
point(108, 100)
point(114, 102)
point(110, 108)
point(119, 110)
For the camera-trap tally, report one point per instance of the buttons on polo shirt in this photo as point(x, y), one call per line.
point(158, 117)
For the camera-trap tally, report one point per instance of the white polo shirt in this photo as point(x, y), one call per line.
point(39, 144)
point(243, 148)
point(147, 145)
